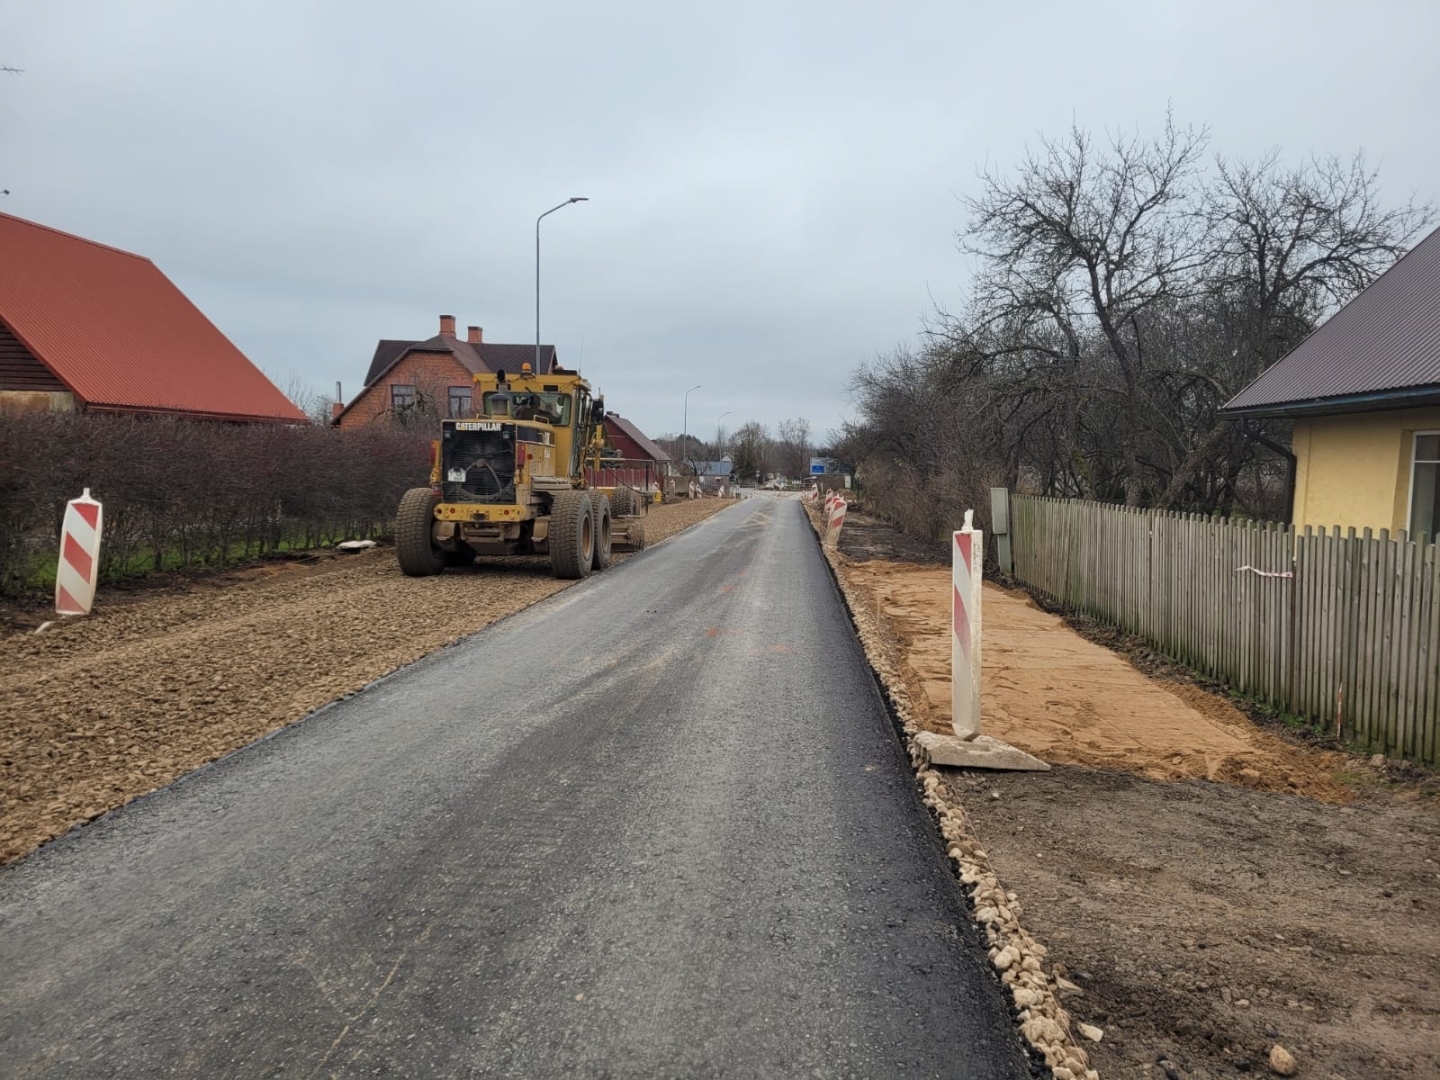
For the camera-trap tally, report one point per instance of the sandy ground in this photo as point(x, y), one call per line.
point(1047, 690)
point(154, 684)
point(1210, 888)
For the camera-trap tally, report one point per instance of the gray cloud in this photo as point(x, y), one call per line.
point(773, 185)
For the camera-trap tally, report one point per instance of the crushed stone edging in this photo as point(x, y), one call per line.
point(1015, 954)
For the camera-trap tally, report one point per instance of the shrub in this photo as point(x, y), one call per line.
point(186, 493)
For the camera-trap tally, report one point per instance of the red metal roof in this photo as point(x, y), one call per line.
point(119, 333)
point(635, 435)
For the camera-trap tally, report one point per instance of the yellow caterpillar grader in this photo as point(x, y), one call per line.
point(512, 480)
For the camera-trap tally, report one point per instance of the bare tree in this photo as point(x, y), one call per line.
point(1085, 239)
point(1126, 293)
point(793, 444)
point(315, 404)
point(1290, 246)
point(750, 452)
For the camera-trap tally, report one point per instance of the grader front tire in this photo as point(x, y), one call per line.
point(572, 535)
point(414, 538)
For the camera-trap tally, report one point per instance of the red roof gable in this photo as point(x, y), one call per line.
point(119, 333)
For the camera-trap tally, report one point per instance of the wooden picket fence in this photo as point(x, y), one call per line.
point(1343, 631)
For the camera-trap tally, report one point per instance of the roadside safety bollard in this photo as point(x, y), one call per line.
point(79, 556)
point(836, 519)
point(967, 583)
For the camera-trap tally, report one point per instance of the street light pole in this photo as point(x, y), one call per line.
point(685, 433)
point(542, 217)
point(719, 431)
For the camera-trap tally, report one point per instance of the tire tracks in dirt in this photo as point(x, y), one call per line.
point(96, 713)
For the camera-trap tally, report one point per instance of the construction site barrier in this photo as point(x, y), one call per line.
point(967, 582)
point(79, 556)
point(835, 519)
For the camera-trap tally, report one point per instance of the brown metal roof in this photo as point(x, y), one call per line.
point(1381, 350)
point(508, 358)
point(119, 333)
point(386, 353)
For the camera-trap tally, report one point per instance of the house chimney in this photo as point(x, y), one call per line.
point(447, 325)
point(476, 336)
point(336, 408)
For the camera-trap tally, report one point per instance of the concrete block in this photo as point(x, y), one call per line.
point(981, 752)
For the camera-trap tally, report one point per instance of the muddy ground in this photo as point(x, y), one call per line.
point(162, 680)
point(1211, 888)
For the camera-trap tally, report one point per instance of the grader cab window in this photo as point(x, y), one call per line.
point(549, 408)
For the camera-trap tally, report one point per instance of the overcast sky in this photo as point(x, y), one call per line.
point(773, 185)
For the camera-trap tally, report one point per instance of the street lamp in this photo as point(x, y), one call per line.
point(685, 432)
point(719, 431)
point(542, 217)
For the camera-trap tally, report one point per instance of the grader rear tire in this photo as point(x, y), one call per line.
point(622, 504)
point(572, 535)
point(637, 535)
point(414, 540)
point(604, 554)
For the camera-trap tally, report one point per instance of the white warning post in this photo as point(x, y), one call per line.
point(967, 585)
point(967, 748)
point(79, 556)
point(835, 509)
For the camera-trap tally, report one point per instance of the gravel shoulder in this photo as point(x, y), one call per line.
point(1204, 901)
point(98, 712)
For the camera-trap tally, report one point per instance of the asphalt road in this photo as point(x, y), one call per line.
point(658, 825)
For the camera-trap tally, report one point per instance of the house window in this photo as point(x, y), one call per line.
point(402, 397)
point(1425, 486)
point(459, 401)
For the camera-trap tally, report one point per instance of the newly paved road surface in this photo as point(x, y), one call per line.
point(656, 826)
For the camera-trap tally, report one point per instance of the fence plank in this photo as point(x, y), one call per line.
point(1355, 633)
point(1430, 663)
point(1365, 652)
point(1405, 721)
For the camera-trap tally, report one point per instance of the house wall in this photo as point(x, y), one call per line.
point(430, 373)
point(627, 446)
point(1354, 470)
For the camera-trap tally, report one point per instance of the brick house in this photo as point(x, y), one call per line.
point(433, 378)
point(88, 327)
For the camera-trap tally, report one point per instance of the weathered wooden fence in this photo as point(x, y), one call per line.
point(1341, 630)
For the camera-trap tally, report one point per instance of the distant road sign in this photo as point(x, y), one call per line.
point(817, 468)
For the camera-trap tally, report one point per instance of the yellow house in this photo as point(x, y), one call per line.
point(1364, 393)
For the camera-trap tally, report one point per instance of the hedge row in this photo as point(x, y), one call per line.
point(181, 493)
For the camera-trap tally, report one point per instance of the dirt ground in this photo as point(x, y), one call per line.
point(1209, 887)
point(1049, 691)
point(160, 681)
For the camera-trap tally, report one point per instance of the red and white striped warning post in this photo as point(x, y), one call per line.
point(79, 556)
point(836, 519)
point(967, 748)
point(967, 582)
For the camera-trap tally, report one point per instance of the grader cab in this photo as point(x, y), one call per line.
point(513, 480)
